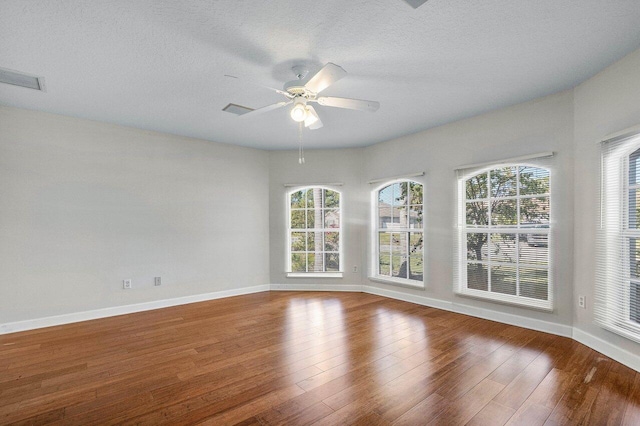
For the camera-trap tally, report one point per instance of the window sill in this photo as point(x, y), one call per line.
point(314, 274)
point(398, 281)
point(506, 299)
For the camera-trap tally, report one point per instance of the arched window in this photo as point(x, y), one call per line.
point(399, 235)
point(314, 231)
point(504, 246)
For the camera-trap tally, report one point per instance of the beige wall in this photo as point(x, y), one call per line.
point(84, 205)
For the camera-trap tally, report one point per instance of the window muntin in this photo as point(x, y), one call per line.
point(505, 235)
point(399, 233)
point(314, 230)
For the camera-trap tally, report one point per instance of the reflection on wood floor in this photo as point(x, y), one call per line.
point(308, 358)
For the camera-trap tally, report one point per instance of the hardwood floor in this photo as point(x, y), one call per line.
point(308, 358)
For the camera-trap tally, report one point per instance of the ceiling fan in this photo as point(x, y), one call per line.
point(302, 92)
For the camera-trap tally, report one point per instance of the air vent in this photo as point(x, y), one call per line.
point(237, 109)
point(21, 79)
point(416, 3)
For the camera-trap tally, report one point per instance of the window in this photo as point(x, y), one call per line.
point(504, 235)
point(617, 306)
point(314, 231)
point(399, 233)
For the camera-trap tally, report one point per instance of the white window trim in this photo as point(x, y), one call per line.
point(375, 255)
point(312, 274)
point(613, 269)
point(460, 275)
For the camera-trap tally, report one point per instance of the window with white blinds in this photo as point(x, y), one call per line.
point(399, 233)
point(617, 297)
point(504, 235)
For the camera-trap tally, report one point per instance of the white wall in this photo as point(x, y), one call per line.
point(606, 103)
point(84, 205)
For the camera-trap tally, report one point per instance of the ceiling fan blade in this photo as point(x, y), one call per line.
point(324, 78)
point(266, 109)
point(313, 121)
point(281, 92)
point(348, 103)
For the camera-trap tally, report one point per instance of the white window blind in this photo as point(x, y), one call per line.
point(505, 234)
point(617, 296)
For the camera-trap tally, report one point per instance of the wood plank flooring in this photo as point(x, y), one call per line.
point(308, 358)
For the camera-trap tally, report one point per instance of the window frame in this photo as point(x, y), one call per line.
point(462, 261)
point(374, 273)
point(289, 230)
point(613, 289)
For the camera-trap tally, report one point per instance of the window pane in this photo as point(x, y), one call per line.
point(534, 283)
point(297, 219)
point(314, 197)
point(311, 242)
point(478, 213)
point(297, 199)
point(385, 265)
point(385, 217)
point(503, 248)
point(312, 215)
point(298, 241)
point(477, 276)
point(398, 266)
point(400, 194)
point(315, 262)
point(416, 243)
point(504, 213)
point(331, 198)
point(634, 257)
point(534, 211)
point(534, 249)
point(385, 195)
point(476, 187)
point(634, 209)
point(416, 193)
point(399, 243)
point(332, 262)
point(504, 182)
point(533, 180)
point(634, 303)
point(503, 279)
point(332, 218)
point(477, 246)
point(415, 217)
point(415, 268)
point(331, 241)
point(298, 262)
point(384, 241)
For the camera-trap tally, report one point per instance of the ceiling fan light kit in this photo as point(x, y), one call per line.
point(301, 93)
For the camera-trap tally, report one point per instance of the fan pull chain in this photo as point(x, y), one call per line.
point(300, 148)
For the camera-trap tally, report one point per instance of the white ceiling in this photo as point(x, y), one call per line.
point(159, 64)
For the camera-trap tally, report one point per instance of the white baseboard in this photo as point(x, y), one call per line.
point(625, 357)
point(317, 287)
point(14, 327)
point(511, 319)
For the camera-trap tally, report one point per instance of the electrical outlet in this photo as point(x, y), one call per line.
point(126, 284)
point(355, 269)
point(157, 281)
point(582, 302)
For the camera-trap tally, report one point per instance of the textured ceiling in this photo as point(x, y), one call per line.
point(159, 64)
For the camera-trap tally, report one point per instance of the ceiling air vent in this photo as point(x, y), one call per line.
point(237, 109)
point(416, 3)
point(21, 79)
